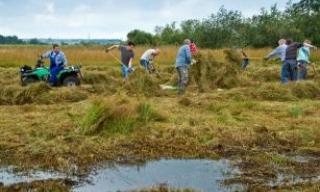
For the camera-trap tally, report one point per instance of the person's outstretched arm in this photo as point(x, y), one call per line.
point(309, 45)
point(112, 48)
point(45, 55)
point(274, 53)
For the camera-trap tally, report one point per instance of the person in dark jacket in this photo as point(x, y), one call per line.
point(289, 71)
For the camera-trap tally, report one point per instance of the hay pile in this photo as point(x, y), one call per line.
point(40, 93)
point(142, 83)
point(275, 92)
point(208, 73)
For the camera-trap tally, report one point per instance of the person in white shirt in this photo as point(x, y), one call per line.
point(147, 58)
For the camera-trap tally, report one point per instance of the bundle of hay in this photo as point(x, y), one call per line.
point(142, 83)
point(209, 73)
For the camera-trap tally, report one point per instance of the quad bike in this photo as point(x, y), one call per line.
point(69, 76)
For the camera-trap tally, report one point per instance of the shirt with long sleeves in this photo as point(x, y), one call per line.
point(280, 51)
point(59, 58)
point(292, 51)
point(304, 54)
point(183, 56)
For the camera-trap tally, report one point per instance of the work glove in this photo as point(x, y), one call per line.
point(130, 69)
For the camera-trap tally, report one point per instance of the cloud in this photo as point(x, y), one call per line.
point(50, 7)
point(108, 18)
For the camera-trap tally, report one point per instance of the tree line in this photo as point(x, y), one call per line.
point(229, 28)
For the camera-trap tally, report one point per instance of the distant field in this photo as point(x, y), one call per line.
point(14, 56)
point(245, 116)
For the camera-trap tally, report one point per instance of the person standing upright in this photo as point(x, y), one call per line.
point(304, 60)
point(183, 61)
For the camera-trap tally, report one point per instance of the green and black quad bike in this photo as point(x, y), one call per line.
point(69, 76)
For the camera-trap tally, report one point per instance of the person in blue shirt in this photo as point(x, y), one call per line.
point(304, 60)
point(57, 62)
point(183, 62)
point(280, 52)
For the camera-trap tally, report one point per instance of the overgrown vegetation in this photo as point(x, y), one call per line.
point(230, 28)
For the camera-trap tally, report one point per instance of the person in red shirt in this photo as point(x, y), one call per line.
point(193, 48)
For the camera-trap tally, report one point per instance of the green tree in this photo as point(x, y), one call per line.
point(140, 37)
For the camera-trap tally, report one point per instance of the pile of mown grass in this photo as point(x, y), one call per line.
point(275, 92)
point(117, 115)
point(9, 76)
point(40, 93)
point(142, 83)
point(265, 74)
point(208, 73)
point(98, 77)
point(102, 82)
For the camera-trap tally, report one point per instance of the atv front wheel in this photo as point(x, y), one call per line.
point(28, 80)
point(71, 81)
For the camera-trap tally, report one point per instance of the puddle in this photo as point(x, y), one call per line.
point(9, 177)
point(202, 175)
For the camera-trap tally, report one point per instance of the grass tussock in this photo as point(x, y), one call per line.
point(117, 117)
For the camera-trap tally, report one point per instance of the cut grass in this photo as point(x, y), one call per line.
point(55, 128)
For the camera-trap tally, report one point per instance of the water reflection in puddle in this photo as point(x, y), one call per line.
point(203, 175)
point(8, 176)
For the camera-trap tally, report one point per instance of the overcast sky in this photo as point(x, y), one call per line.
point(109, 18)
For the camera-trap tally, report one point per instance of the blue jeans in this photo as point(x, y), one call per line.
point(245, 63)
point(54, 71)
point(145, 64)
point(289, 71)
point(125, 71)
point(183, 77)
point(303, 70)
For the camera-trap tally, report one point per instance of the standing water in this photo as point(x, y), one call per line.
point(202, 175)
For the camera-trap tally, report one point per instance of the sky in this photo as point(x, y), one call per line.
point(109, 18)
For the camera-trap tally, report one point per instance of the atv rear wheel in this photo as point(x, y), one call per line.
point(71, 81)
